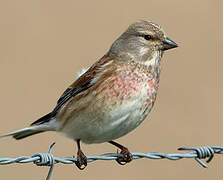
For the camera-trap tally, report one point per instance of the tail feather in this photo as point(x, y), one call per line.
point(23, 133)
point(41, 125)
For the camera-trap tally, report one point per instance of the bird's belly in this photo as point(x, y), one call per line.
point(105, 127)
point(108, 118)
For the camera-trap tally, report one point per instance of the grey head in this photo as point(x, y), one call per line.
point(142, 41)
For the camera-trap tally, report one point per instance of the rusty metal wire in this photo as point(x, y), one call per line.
point(47, 159)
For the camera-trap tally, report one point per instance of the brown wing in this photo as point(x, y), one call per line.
point(81, 84)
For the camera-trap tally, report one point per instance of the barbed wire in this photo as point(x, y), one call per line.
point(47, 159)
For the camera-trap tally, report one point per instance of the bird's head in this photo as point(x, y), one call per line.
point(142, 41)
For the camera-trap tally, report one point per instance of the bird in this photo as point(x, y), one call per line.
point(113, 96)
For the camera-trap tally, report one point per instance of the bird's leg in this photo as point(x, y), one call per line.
point(81, 162)
point(127, 156)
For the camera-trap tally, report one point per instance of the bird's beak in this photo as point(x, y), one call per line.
point(168, 44)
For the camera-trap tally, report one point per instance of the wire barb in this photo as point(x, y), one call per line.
point(202, 153)
point(47, 159)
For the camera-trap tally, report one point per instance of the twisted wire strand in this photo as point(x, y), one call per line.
point(47, 159)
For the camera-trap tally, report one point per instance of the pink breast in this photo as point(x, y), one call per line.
point(127, 83)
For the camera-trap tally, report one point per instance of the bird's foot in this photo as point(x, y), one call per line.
point(81, 162)
point(127, 156)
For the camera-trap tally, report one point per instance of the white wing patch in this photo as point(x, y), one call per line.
point(80, 73)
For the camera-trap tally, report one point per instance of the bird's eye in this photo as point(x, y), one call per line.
point(147, 37)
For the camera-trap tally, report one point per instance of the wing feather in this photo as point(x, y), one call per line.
point(84, 82)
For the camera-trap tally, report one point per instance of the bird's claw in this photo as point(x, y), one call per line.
point(81, 162)
point(127, 157)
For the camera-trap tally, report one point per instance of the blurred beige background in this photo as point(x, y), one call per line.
point(44, 43)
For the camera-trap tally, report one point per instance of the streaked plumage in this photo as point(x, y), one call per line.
point(114, 95)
